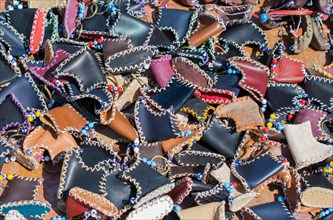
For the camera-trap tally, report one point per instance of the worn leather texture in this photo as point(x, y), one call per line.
point(304, 148)
point(227, 145)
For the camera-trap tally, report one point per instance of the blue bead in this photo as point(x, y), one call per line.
point(226, 185)
point(90, 125)
point(230, 198)
point(229, 71)
point(199, 176)
point(80, 15)
point(263, 17)
point(330, 209)
point(144, 159)
point(238, 162)
point(54, 218)
point(280, 198)
point(328, 166)
point(63, 218)
point(133, 200)
point(83, 132)
point(176, 208)
point(264, 105)
point(298, 104)
point(81, 7)
point(322, 213)
point(292, 48)
point(148, 162)
point(230, 190)
point(298, 191)
point(153, 164)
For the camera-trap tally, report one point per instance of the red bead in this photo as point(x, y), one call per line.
point(53, 80)
point(290, 116)
point(275, 61)
point(110, 87)
point(284, 161)
point(235, 184)
point(100, 41)
point(120, 89)
point(263, 138)
point(272, 69)
point(303, 101)
point(196, 92)
point(265, 130)
point(91, 43)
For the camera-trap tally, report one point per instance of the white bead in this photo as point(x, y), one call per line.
point(136, 150)
point(20, 6)
point(10, 57)
point(263, 109)
point(264, 101)
point(12, 158)
point(136, 141)
point(146, 66)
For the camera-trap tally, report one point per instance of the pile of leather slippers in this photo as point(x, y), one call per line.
point(155, 110)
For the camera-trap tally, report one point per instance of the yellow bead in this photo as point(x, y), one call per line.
point(216, 39)
point(30, 118)
point(328, 170)
point(272, 115)
point(38, 114)
point(10, 177)
point(269, 124)
point(197, 138)
point(1, 178)
point(331, 163)
point(190, 143)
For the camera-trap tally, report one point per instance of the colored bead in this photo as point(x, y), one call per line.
point(133, 200)
point(10, 177)
point(54, 218)
point(331, 163)
point(272, 116)
point(29, 151)
point(110, 87)
point(100, 41)
point(83, 132)
point(80, 15)
point(269, 124)
point(285, 160)
point(81, 6)
point(238, 162)
point(298, 191)
point(1, 178)
point(280, 198)
point(176, 208)
point(30, 119)
point(190, 143)
point(230, 198)
point(275, 61)
point(91, 43)
point(229, 71)
point(272, 69)
point(197, 138)
point(199, 176)
point(263, 17)
point(153, 164)
point(90, 125)
point(330, 209)
point(290, 116)
point(328, 170)
point(263, 138)
point(120, 89)
point(322, 213)
point(303, 101)
point(235, 184)
point(328, 166)
point(265, 130)
point(279, 127)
